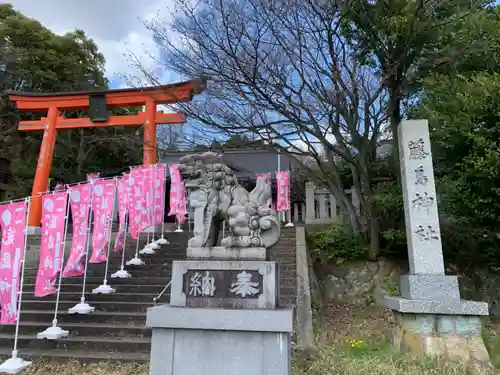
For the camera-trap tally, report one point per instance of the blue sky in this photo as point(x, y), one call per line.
point(115, 25)
point(115, 28)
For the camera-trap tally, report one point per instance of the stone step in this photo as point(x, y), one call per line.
point(109, 306)
point(121, 295)
point(96, 276)
point(81, 329)
point(83, 356)
point(288, 292)
point(75, 343)
point(135, 271)
point(97, 280)
point(287, 273)
point(125, 285)
point(116, 330)
point(95, 317)
point(288, 282)
point(157, 259)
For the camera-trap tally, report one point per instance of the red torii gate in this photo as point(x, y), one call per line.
point(98, 103)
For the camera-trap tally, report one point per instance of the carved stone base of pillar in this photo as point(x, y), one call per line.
point(452, 338)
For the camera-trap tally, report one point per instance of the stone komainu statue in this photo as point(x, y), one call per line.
point(215, 195)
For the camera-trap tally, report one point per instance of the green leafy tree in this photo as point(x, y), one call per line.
point(34, 59)
point(405, 40)
point(464, 113)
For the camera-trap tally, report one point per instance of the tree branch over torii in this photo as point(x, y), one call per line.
point(284, 74)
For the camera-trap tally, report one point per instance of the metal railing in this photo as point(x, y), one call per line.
point(161, 293)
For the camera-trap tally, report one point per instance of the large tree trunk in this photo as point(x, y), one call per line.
point(374, 233)
point(367, 203)
point(395, 119)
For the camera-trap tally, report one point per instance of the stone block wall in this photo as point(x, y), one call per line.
point(452, 337)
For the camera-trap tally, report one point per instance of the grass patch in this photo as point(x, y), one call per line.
point(45, 367)
point(351, 342)
point(491, 337)
point(357, 357)
point(354, 357)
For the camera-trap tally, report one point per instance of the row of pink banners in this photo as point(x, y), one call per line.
point(95, 198)
point(140, 194)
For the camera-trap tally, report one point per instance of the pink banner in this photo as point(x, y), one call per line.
point(283, 191)
point(123, 202)
point(13, 223)
point(159, 194)
point(53, 223)
point(93, 176)
point(175, 189)
point(102, 208)
point(148, 194)
point(181, 213)
point(79, 197)
point(137, 205)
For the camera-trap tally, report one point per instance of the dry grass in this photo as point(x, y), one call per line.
point(351, 342)
point(354, 358)
point(372, 360)
point(40, 367)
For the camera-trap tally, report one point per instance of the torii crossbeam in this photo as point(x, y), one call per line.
point(98, 103)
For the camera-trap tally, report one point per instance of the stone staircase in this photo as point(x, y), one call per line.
point(116, 330)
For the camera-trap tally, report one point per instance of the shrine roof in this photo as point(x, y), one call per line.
point(245, 162)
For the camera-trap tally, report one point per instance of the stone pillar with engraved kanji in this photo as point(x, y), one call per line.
point(223, 316)
point(431, 317)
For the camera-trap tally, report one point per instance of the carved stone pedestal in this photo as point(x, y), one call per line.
point(445, 329)
point(189, 341)
point(454, 338)
point(223, 317)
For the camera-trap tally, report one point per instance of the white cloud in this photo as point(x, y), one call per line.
point(115, 25)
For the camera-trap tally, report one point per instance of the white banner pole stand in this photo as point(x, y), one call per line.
point(83, 307)
point(122, 273)
point(153, 245)
point(289, 224)
point(14, 364)
point(150, 247)
point(136, 261)
point(104, 288)
point(55, 332)
point(179, 229)
point(147, 250)
point(163, 240)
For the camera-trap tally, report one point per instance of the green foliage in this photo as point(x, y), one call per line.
point(392, 288)
point(34, 59)
point(374, 358)
point(335, 245)
point(464, 113)
point(388, 202)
